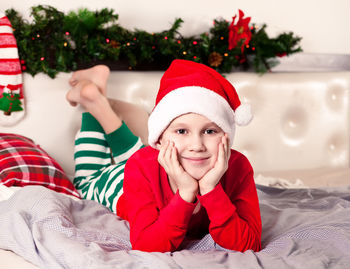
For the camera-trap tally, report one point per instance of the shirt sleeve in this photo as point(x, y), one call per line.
point(235, 221)
point(152, 228)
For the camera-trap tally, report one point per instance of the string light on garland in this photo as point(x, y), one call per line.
point(91, 37)
point(23, 65)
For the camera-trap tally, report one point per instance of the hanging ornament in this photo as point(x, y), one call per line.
point(115, 44)
point(215, 59)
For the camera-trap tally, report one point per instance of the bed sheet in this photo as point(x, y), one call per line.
point(302, 228)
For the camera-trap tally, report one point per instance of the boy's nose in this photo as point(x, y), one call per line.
point(196, 143)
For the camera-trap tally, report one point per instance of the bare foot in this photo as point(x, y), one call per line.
point(84, 93)
point(88, 95)
point(98, 75)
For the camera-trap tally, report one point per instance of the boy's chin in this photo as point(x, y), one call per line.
point(197, 175)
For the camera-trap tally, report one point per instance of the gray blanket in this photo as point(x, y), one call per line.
point(302, 228)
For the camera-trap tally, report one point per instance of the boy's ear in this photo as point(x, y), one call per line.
point(158, 145)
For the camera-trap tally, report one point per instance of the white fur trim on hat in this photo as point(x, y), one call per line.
point(188, 99)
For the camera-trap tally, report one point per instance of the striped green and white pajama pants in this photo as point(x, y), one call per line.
point(100, 161)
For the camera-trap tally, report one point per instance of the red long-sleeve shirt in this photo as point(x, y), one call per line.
point(159, 219)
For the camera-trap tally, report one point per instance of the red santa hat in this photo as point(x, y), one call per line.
point(187, 87)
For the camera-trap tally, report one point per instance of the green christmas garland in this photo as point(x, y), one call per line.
point(57, 42)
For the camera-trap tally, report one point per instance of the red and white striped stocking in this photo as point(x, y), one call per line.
point(11, 87)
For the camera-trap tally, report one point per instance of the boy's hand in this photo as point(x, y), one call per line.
point(213, 176)
point(187, 186)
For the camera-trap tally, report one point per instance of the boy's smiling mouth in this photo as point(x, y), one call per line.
point(196, 159)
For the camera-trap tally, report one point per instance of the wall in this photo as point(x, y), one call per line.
point(324, 25)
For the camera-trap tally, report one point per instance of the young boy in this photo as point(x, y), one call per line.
point(188, 182)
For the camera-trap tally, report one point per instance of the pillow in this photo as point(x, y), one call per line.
point(23, 163)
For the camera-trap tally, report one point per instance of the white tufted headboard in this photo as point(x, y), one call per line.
point(301, 119)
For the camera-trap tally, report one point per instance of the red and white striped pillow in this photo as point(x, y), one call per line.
point(23, 163)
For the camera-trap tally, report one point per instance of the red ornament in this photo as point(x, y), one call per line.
point(241, 59)
point(281, 54)
point(239, 32)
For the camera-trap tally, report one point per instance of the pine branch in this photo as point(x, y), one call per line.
point(58, 42)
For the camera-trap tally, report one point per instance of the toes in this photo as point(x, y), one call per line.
point(73, 82)
point(72, 103)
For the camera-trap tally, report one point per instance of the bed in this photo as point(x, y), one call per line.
point(298, 144)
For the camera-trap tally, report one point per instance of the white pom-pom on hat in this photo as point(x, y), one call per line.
point(243, 115)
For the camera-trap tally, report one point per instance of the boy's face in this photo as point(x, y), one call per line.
point(196, 139)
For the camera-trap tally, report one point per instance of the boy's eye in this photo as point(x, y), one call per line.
point(181, 131)
point(210, 131)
